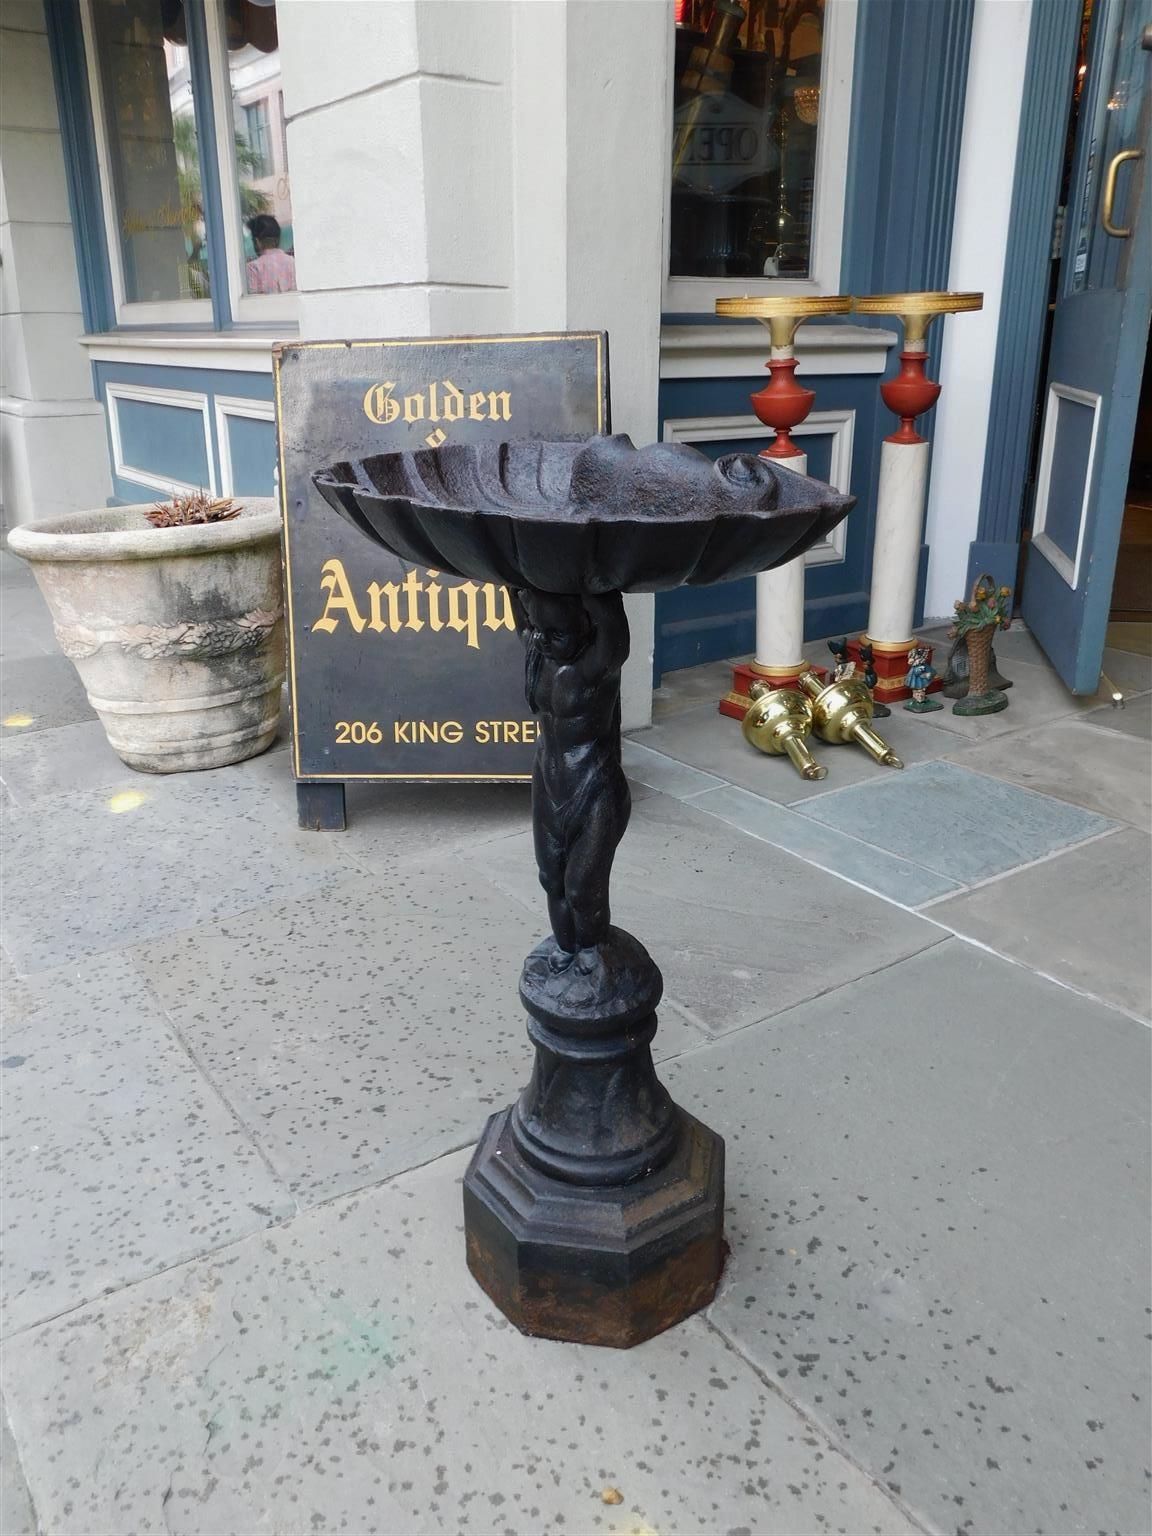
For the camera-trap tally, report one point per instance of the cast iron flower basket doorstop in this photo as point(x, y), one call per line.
point(594, 1205)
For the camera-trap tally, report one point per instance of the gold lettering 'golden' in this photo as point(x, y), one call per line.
point(439, 401)
point(464, 607)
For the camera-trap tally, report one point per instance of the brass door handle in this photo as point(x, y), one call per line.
point(1110, 193)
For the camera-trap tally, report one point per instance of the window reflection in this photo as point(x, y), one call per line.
point(153, 151)
point(260, 147)
point(744, 134)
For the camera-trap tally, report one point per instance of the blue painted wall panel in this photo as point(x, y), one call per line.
point(166, 440)
point(252, 449)
point(160, 442)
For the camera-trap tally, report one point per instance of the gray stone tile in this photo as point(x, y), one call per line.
point(938, 1197)
point(656, 770)
point(1067, 759)
point(25, 625)
point(740, 929)
point(365, 1030)
point(87, 877)
point(17, 1517)
point(1130, 671)
point(1082, 918)
point(345, 1373)
point(45, 690)
point(713, 743)
point(1135, 719)
point(965, 825)
point(34, 764)
point(119, 1160)
point(396, 821)
point(1037, 695)
point(898, 879)
point(14, 572)
point(690, 686)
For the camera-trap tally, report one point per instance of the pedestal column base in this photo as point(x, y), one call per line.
point(611, 1265)
point(738, 701)
point(891, 664)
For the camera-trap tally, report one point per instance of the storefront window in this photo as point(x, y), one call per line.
point(746, 119)
point(257, 110)
point(152, 149)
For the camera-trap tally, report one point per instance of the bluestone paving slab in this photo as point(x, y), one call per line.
point(938, 1211)
point(1135, 719)
point(1131, 671)
point(1082, 918)
point(366, 1030)
point(16, 1514)
point(15, 572)
point(86, 877)
point(713, 743)
point(345, 1373)
point(119, 1159)
point(1037, 695)
point(25, 625)
point(1067, 759)
point(728, 918)
point(35, 764)
point(899, 879)
point(45, 689)
point(667, 774)
point(964, 825)
point(689, 686)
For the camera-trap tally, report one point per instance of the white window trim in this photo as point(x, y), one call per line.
point(182, 399)
point(235, 405)
point(1042, 541)
point(128, 312)
point(839, 425)
point(698, 295)
point(247, 308)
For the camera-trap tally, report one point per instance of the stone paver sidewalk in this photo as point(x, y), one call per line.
point(242, 1065)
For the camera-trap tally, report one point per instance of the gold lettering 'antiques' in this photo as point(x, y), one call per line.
point(386, 608)
point(439, 401)
point(398, 671)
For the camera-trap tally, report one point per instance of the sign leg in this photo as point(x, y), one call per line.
point(320, 807)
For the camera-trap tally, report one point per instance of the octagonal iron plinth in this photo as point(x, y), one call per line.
point(610, 1265)
point(593, 1207)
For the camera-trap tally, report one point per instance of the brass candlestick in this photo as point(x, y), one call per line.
point(841, 712)
point(779, 723)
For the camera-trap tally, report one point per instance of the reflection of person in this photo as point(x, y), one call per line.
point(273, 270)
point(575, 649)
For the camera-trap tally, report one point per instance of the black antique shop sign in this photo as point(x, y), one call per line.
point(397, 672)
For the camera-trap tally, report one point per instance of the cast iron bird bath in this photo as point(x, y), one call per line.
point(593, 1206)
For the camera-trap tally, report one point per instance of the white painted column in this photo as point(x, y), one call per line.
point(780, 604)
point(53, 441)
point(896, 549)
point(449, 177)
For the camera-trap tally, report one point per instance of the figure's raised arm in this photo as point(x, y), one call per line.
point(609, 648)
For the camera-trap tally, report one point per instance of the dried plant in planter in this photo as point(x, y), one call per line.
point(197, 507)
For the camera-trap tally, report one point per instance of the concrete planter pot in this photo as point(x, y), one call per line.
point(177, 633)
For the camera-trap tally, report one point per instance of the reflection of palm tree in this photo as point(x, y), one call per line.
point(252, 200)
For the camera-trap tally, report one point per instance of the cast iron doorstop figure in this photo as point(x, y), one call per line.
point(594, 1205)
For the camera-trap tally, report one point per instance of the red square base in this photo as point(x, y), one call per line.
point(738, 702)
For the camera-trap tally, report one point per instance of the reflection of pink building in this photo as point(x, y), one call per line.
point(258, 119)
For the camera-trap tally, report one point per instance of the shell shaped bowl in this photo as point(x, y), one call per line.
point(584, 516)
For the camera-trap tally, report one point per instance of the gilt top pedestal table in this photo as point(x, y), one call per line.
point(593, 1205)
point(903, 489)
point(782, 405)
